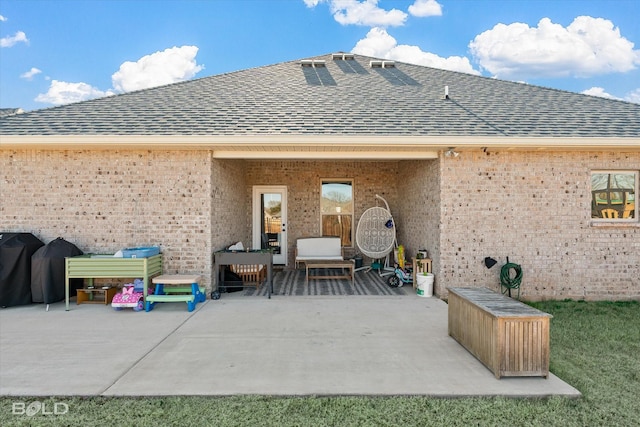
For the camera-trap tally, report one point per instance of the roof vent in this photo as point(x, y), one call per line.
point(313, 63)
point(381, 64)
point(342, 56)
point(446, 93)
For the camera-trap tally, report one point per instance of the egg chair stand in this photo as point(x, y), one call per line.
point(376, 237)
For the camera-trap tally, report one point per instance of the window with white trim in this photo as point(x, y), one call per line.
point(614, 195)
point(336, 209)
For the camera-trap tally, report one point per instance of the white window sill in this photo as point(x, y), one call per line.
point(615, 224)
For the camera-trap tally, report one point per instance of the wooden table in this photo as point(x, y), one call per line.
point(91, 266)
point(348, 264)
point(251, 257)
point(508, 337)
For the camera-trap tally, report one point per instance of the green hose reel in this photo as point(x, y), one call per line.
point(510, 277)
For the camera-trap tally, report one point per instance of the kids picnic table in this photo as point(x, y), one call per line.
point(176, 288)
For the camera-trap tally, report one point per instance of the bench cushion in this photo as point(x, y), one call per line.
point(319, 247)
point(319, 258)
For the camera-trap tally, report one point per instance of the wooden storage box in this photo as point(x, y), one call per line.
point(96, 295)
point(508, 337)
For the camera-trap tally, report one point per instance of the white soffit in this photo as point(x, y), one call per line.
point(319, 154)
point(315, 146)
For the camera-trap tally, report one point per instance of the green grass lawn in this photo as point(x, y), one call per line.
point(595, 347)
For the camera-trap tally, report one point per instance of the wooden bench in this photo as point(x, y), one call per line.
point(310, 249)
point(508, 337)
point(349, 265)
point(191, 294)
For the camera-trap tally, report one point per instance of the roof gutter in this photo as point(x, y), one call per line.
point(334, 146)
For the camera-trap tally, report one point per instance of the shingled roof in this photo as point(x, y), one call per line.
point(339, 95)
point(10, 111)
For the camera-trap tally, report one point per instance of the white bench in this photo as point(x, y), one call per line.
point(318, 249)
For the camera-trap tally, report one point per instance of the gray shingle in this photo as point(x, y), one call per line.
point(345, 98)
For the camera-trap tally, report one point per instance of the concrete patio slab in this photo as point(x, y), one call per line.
point(249, 345)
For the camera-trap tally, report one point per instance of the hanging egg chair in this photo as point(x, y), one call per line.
point(376, 235)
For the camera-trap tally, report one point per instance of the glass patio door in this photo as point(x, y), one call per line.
point(270, 221)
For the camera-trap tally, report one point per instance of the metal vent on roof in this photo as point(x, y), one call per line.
point(316, 72)
point(313, 63)
point(342, 56)
point(348, 64)
point(376, 63)
point(393, 75)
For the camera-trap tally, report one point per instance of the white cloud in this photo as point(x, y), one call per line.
point(422, 8)
point(169, 66)
point(633, 96)
point(598, 91)
point(3, 19)
point(10, 41)
point(160, 68)
point(64, 93)
point(379, 44)
point(29, 74)
point(366, 13)
point(588, 46)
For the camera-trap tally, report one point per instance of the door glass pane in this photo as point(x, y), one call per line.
point(271, 221)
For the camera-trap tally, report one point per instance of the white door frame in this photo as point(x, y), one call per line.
point(256, 215)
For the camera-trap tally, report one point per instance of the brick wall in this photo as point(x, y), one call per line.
point(229, 204)
point(534, 207)
point(303, 179)
point(103, 201)
point(418, 210)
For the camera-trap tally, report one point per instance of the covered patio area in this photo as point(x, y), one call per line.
point(403, 183)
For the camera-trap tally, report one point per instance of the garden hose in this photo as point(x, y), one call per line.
point(509, 282)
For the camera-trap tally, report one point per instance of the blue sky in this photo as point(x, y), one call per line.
point(54, 52)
